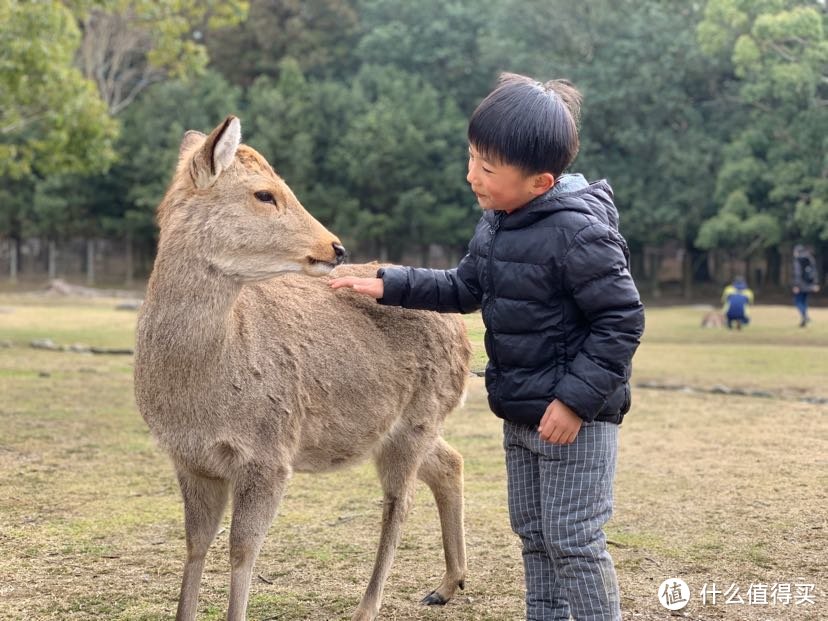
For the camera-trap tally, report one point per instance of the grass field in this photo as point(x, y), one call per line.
point(711, 488)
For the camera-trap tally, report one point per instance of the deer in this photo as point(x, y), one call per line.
point(250, 367)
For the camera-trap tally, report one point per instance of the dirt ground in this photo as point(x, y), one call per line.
point(724, 492)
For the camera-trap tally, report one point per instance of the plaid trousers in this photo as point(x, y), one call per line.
point(560, 497)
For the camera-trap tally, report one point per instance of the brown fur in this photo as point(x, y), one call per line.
point(248, 368)
point(712, 319)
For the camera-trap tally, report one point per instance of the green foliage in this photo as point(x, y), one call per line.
point(319, 35)
point(390, 175)
point(739, 226)
point(709, 119)
point(51, 119)
point(438, 41)
point(777, 164)
point(404, 145)
point(652, 117)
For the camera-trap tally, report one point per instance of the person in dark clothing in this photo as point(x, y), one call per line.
point(804, 281)
point(563, 317)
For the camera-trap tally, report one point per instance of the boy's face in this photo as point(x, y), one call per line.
point(502, 186)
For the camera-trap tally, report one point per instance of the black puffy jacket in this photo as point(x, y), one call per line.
point(562, 314)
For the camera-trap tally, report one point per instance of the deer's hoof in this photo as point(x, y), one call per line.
point(434, 599)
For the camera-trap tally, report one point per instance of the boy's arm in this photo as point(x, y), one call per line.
point(447, 291)
point(597, 276)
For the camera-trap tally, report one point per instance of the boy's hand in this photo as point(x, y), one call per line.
point(559, 425)
point(368, 286)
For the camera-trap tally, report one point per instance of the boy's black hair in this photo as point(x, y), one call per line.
point(527, 124)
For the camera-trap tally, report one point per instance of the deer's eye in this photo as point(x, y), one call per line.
point(265, 197)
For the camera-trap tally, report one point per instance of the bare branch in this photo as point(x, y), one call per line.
point(150, 78)
point(113, 53)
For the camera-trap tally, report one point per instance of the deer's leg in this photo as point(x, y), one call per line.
point(204, 503)
point(442, 471)
point(256, 495)
point(397, 461)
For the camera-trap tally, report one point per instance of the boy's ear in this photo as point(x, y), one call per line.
point(542, 183)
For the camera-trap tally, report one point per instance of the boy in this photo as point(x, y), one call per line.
point(563, 319)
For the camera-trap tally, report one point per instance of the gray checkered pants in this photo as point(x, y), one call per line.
point(560, 497)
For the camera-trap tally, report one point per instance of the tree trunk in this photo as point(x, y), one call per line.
point(130, 263)
point(637, 267)
point(687, 273)
point(749, 271)
point(655, 265)
point(14, 249)
point(52, 259)
point(90, 262)
point(425, 255)
point(775, 275)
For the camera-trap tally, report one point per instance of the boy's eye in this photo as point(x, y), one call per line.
point(486, 169)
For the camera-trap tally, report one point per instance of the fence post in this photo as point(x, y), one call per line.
point(130, 267)
point(90, 261)
point(13, 260)
point(52, 259)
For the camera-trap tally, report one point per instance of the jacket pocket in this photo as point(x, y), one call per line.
point(625, 407)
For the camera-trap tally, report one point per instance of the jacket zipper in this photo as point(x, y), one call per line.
point(493, 228)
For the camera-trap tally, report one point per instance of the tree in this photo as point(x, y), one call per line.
point(438, 41)
point(51, 118)
point(652, 118)
point(776, 165)
point(129, 45)
point(319, 35)
point(740, 229)
point(380, 162)
point(52, 122)
point(403, 155)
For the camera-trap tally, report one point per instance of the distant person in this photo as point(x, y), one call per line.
point(804, 281)
point(563, 319)
point(736, 298)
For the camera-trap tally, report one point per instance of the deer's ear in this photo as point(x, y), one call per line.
point(191, 139)
point(217, 153)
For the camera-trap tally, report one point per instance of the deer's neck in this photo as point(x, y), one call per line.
point(188, 311)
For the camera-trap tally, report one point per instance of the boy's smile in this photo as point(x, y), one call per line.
point(502, 186)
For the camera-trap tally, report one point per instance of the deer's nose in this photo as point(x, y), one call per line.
point(340, 252)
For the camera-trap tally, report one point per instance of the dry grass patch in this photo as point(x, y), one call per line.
point(710, 488)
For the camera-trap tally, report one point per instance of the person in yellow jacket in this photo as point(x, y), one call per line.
point(737, 297)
